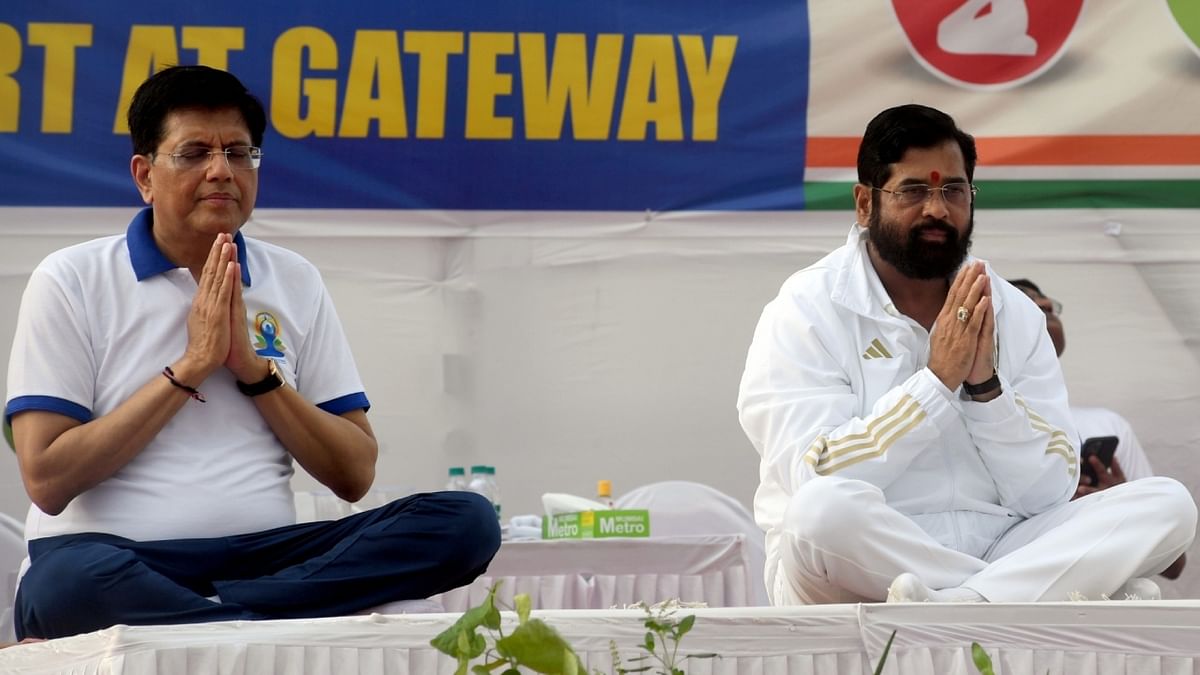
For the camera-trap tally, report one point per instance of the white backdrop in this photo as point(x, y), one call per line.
point(587, 346)
point(568, 347)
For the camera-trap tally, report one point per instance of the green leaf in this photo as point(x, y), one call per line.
point(982, 661)
point(657, 626)
point(524, 604)
point(570, 662)
point(448, 641)
point(886, 648)
point(536, 645)
point(649, 642)
point(481, 670)
point(684, 626)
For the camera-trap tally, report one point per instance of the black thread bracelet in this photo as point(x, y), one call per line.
point(191, 391)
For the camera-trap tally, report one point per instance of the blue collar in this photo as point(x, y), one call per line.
point(148, 261)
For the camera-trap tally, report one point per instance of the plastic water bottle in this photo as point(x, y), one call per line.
point(478, 481)
point(483, 481)
point(604, 493)
point(458, 479)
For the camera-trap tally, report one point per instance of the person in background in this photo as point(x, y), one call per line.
point(1130, 461)
point(164, 382)
point(912, 419)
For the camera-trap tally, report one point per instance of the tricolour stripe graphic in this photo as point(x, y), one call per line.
point(1020, 172)
point(1042, 194)
point(1112, 150)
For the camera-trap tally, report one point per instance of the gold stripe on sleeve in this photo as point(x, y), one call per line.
point(1059, 444)
point(883, 447)
point(824, 454)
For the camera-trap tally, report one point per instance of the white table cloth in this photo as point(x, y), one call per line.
point(603, 573)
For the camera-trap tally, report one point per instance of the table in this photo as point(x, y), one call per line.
point(604, 573)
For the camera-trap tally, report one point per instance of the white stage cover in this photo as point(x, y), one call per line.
point(1103, 638)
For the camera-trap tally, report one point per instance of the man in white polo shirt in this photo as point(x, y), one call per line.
point(161, 384)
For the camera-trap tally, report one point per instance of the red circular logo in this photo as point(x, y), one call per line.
point(987, 44)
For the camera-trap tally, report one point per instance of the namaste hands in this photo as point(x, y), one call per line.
point(962, 342)
point(216, 324)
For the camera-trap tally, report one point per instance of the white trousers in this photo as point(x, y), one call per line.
point(841, 542)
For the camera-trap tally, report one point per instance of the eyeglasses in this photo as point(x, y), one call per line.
point(955, 194)
point(237, 157)
point(1056, 307)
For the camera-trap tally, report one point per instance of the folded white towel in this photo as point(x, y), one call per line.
point(555, 503)
point(521, 533)
point(526, 520)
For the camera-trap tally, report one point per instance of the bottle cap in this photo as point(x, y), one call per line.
point(604, 488)
point(457, 471)
point(478, 468)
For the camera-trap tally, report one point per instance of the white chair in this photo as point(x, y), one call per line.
point(12, 552)
point(686, 508)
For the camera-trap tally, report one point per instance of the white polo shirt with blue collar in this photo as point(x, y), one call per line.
point(100, 319)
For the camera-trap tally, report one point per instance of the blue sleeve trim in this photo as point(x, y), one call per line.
point(48, 403)
point(344, 404)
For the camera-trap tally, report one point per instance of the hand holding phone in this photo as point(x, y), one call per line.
point(1102, 447)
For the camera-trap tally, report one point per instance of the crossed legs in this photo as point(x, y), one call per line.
point(412, 548)
point(841, 542)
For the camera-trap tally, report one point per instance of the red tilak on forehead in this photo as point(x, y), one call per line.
point(934, 176)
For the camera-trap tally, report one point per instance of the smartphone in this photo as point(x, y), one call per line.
point(1101, 446)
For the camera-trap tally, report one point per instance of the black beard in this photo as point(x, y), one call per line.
point(916, 258)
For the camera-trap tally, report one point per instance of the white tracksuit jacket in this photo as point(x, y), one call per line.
point(836, 384)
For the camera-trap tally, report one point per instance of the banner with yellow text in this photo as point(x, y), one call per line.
point(472, 105)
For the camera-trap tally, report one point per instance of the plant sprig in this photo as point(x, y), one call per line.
point(663, 632)
point(535, 645)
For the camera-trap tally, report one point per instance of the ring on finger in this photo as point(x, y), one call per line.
point(963, 314)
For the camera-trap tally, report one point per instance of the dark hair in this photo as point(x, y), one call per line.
point(895, 130)
point(1027, 284)
point(180, 87)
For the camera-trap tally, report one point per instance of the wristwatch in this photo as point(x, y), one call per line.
point(271, 382)
point(985, 387)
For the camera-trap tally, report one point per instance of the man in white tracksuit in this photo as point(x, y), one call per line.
point(912, 418)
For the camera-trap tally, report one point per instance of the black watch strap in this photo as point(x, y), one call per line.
point(984, 387)
point(271, 382)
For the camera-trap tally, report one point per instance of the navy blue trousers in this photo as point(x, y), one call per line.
point(414, 547)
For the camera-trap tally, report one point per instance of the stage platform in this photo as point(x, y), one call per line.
point(1083, 638)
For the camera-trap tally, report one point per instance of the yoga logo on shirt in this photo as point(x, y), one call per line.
point(266, 336)
point(987, 44)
